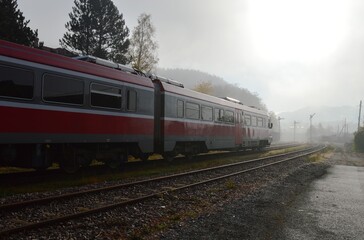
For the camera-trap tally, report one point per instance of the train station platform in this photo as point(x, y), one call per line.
point(333, 207)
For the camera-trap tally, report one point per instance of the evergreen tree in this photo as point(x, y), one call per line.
point(143, 47)
point(13, 26)
point(97, 28)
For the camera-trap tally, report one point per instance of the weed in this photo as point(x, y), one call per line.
point(230, 184)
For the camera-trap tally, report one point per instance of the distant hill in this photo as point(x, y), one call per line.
point(189, 77)
point(221, 88)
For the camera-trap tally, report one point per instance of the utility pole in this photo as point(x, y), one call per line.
point(294, 130)
point(359, 116)
point(311, 116)
point(279, 127)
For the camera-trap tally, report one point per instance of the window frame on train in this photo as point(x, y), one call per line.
point(58, 85)
point(218, 115)
point(207, 113)
point(229, 116)
point(193, 110)
point(259, 121)
point(4, 92)
point(254, 121)
point(131, 100)
point(105, 93)
point(180, 109)
point(247, 119)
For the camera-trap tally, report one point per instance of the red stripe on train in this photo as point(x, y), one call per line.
point(197, 129)
point(22, 120)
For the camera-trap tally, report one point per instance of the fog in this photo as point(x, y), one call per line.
point(293, 54)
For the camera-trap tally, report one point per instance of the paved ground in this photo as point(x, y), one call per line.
point(333, 207)
point(317, 201)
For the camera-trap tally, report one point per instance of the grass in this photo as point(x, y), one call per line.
point(321, 156)
point(14, 170)
point(285, 150)
point(230, 184)
point(315, 157)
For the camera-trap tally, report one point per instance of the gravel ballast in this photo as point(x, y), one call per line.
point(270, 210)
point(258, 215)
point(250, 206)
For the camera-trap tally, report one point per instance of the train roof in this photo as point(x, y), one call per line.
point(43, 57)
point(227, 101)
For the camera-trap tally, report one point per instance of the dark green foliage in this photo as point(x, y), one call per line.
point(96, 28)
point(359, 140)
point(13, 26)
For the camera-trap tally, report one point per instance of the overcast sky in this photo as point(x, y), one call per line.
point(292, 53)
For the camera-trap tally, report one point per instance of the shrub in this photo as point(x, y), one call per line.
point(359, 140)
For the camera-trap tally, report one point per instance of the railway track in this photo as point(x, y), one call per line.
point(104, 199)
point(19, 178)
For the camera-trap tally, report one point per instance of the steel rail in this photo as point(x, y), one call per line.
point(145, 197)
point(19, 178)
point(45, 200)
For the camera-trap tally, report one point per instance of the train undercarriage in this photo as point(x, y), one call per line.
point(70, 157)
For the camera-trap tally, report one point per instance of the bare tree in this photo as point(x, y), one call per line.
point(142, 46)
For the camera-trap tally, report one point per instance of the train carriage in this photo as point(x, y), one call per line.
point(58, 109)
point(192, 122)
point(52, 105)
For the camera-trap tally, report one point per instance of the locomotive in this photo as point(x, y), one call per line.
point(72, 110)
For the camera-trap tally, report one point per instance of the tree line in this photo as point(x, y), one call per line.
point(96, 27)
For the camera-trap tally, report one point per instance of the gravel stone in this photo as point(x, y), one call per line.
point(255, 215)
point(249, 206)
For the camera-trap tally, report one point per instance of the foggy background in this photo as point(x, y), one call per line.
point(298, 57)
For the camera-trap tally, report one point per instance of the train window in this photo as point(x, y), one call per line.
point(206, 113)
point(105, 96)
point(247, 120)
point(16, 82)
point(131, 100)
point(254, 121)
point(219, 115)
point(260, 122)
point(180, 108)
point(62, 89)
point(229, 116)
point(192, 110)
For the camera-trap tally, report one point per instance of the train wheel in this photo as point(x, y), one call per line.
point(167, 156)
point(117, 161)
point(113, 163)
point(41, 169)
point(144, 156)
point(85, 161)
point(70, 164)
point(69, 160)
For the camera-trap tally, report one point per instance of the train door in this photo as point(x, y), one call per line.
point(238, 128)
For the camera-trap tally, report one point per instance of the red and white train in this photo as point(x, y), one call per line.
point(72, 110)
